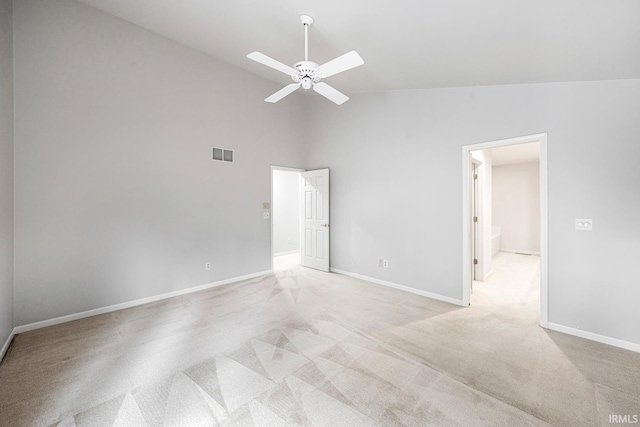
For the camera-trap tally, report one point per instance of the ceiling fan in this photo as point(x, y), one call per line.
point(307, 74)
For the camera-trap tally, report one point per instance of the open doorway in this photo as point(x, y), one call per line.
point(285, 221)
point(300, 233)
point(505, 223)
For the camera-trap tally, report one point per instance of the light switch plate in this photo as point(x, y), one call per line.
point(584, 224)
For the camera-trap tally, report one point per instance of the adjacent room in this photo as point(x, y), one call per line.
point(332, 213)
point(506, 217)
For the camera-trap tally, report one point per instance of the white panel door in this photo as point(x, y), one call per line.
point(315, 219)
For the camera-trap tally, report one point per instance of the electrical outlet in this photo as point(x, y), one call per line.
point(584, 224)
point(265, 215)
point(385, 263)
point(207, 266)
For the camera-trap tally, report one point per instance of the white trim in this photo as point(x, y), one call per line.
point(121, 306)
point(297, 251)
point(400, 287)
point(7, 343)
point(594, 337)
point(279, 168)
point(544, 229)
point(520, 251)
point(56, 321)
point(544, 234)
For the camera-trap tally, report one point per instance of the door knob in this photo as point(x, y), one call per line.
point(325, 225)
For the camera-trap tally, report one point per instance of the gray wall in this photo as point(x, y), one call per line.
point(116, 196)
point(6, 171)
point(395, 160)
point(286, 211)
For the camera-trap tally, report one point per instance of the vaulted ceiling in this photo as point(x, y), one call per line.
point(409, 44)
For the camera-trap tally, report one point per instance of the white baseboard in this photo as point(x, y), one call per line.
point(58, 320)
point(594, 337)
point(520, 251)
point(553, 326)
point(121, 306)
point(297, 251)
point(400, 287)
point(5, 347)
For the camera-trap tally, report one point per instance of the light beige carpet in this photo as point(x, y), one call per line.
point(303, 347)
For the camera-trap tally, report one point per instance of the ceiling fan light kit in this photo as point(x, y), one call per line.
point(307, 74)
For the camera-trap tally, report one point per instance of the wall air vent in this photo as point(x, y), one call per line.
point(221, 154)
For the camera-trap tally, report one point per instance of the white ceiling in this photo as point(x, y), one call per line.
point(519, 153)
point(409, 44)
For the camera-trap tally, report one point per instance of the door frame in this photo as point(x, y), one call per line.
point(544, 227)
point(286, 169)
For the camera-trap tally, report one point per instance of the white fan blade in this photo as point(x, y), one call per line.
point(330, 93)
point(283, 92)
point(270, 62)
point(342, 63)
